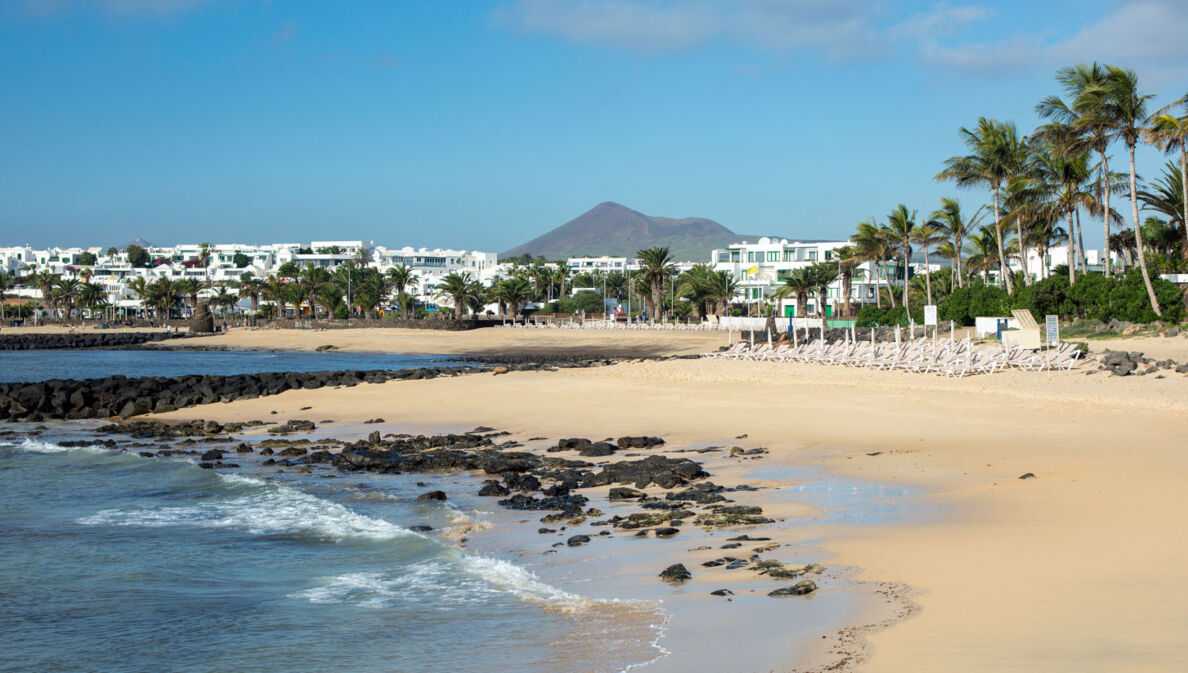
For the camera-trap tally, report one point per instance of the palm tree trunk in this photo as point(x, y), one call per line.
point(1081, 244)
point(1105, 196)
point(906, 272)
point(1138, 236)
point(1003, 269)
point(878, 279)
point(891, 289)
point(927, 276)
point(1072, 252)
point(1184, 194)
point(1022, 251)
point(960, 267)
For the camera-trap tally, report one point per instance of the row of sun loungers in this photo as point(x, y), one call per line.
point(927, 356)
point(610, 324)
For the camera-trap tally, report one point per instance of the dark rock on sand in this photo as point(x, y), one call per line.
point(676, 573)
point(492, 487)
point(1029, 475)
point(432, 495)
point(598, 449)
point(666, 531)
point(722, 592)
point(639, 442)
point(213, 454)
point(577, 540)
point(624, 493)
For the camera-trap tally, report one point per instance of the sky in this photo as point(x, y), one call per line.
point(480, 124)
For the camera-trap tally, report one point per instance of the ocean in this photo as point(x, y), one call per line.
point(119, 563)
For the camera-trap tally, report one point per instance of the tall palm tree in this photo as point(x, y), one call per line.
point(655, 267)
point(204, 253)
point(996, 155)
point(694, 285)
point(1170, 133)
point(91, 296)
point(140, 287)
point(188, 289)
point(273, 290)
point(516, 292)
point(928, 235)
point(7, 282)
point(1118, 99)
point(1093, 130)
point(847, 262)
point(223, 300)
point(872, 244)
point(900, 225)
point(44, 281)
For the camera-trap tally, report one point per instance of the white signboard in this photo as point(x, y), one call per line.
point(930, 314)
point(1053, 328)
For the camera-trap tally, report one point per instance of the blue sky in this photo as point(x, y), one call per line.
point(482, 124)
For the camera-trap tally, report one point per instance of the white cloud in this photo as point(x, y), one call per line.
point(1146, 35)
point(840, 28)
point(941, 21)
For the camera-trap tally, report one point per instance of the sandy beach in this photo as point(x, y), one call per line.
point(1077, 569)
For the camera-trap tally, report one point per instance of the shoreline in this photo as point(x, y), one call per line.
point(1098, 445)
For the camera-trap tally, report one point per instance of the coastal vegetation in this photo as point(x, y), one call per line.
point(1039, 186)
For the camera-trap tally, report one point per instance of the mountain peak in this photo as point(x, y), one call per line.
point(611, 228)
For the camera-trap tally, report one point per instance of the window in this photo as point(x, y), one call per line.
point(828, 255)
point(773, 256)
point(812, 255)
point(751, 256)
point(790, 255)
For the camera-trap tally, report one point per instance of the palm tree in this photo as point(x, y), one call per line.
point(723, 288)
point(91, 296)
point(223, 300)
point(515, 292)
point(274, 291)
point(847, 262)
point(1093, 131)
point(402, 277)
point(44, 280)
point(900, 225)
point(928, 235)
point(188, 289)
point(1170, 133)
point(655, 267)
point(1166, 195)
point(823, 274)
point(64, 293)
point(1117, 99)
point(615, 284)
point(949, 220)
point(404, 301)
point(204, 252)
point(872, 243)
point(694, 285)
point(996, 155)
point(7, 282)
point(984, 245)
point(250, 287)
point(163, 295)
point(140, 287)
point(459, 288)
point(363, 257)
point(800, 284)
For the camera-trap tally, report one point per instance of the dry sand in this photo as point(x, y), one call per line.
point(1084, 568)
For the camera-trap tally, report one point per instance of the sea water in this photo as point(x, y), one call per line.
point(114, 562)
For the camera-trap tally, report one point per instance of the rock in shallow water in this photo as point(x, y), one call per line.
point(799, 589)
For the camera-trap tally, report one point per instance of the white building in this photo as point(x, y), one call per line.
point(763, 266)
point(604, 264)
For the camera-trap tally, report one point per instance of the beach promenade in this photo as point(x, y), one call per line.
point(1080, 568)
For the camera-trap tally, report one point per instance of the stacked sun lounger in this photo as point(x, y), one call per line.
point(957, 359)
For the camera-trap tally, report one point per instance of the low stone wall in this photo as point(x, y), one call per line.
point(24, 342)
point(124, 397)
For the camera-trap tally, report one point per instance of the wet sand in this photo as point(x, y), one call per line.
point(1079, 569)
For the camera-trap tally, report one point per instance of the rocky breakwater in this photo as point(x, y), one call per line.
point(25, 342)
point(1125, 363)
point(125, 397)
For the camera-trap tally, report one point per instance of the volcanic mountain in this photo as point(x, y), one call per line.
point(618, 231)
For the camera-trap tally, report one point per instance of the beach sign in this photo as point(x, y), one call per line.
point(1051, 322)
point(930, 315)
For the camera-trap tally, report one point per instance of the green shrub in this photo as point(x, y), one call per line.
point(341, 312)
point(873, 316)
point(967, 303)
point(1046, 297)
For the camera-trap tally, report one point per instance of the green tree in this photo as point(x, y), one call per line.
point(402, 277)
point(1118, 99)
point(240, 260)
point(900, 225)
point(138, 257)
point(949, 220)
point(459, 288)
point(927, 235)
point(874, 244)
point(87, 259)
point(1170, 133)
point(655, 268)
point(996, 155)
point(723, 289)
point(823, 275)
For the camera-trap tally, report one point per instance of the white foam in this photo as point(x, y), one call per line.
point(267, 509)
point(37, 446)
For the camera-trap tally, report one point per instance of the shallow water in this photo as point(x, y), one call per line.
point(114, 562)
point(41, 365)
